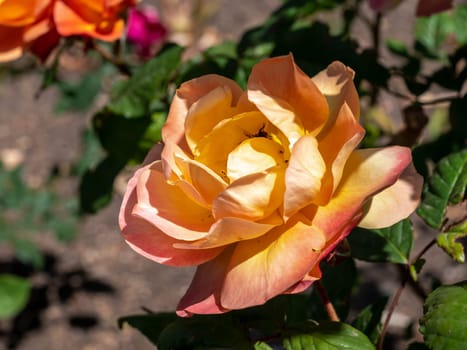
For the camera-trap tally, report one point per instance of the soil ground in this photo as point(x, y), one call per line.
point(97, 278)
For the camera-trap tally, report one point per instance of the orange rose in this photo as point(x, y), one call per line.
point(100, 19)
point(258, 186)
point(38, 24)
point(22, 24)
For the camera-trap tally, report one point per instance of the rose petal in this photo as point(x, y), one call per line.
point(252, 197)
point(287, 97)
point(202, 297)
point(259, 265)
point(229, 230)
point(77, 18)
point(430, 7)
point(204, 114)
point(366, 173)
point(336, 84)
point(254, 156)
point(395, 202)
point(149, 241)
point(303, 175)
point(168, 208)
point(226, 136)
point(335, 146)
point(187, 94)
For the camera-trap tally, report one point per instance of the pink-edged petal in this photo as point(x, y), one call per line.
point(202, 297)
point(187, 94)
point(395, 202)
point(303, 175)
point(168, 208)
point(335, 146)
point(149, 241)
point(230, 230)
point(287, 97)
point(366, 173)
point(267, 266)
point(254, 156)
point(252, 197)
point(336, 84)
point(206, 113)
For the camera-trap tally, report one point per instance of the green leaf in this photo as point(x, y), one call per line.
point(369, 319)
point(329, 336)
point(397, 47)
point(446, 186)
point(448, 241)
point(203, 332)
point(14, 295)
point(150, 325)
point(133, 98)
point(262, 346)
point(444, 323)
point(391, 244)
point(431, 32)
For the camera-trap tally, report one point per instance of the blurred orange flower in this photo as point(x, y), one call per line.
point(258, 186)
point(37, 25)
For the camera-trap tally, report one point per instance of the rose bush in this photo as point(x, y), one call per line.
point(37, 25)
point(258, 186)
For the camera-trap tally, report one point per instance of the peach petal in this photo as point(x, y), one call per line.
point(287, 97)
point(229, 230)
point(149, 241)
point(256, 269)
point(226, 136)
point(252, 197)
point(336, 84)
point(394, 203)
point(366, 173)
point(202, 297)
point(254, 156)
point(303, 175)
point(187, 94)
point(11, 43)
point(335, 146)
point(161, 204)
point(204, 114)
point(203, 180)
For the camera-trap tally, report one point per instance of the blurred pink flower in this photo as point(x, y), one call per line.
point(424, 7)
point(145, 30)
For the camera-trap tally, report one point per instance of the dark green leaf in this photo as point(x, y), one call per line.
point(133, 98)
point(14, 295)
point(448, 241)
point(203, 332)
point(391, 244)
point(418, 346)
point(444, 323)
point(329, 336)
point(397, 47)
point(443, 188)
point(150, 325)
point(369, 319)
point(338, 280)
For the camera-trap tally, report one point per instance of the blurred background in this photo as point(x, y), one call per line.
point(83, 275)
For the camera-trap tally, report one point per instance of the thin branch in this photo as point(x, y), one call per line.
point(323, 294)
point(438, 100)
point(122, 66)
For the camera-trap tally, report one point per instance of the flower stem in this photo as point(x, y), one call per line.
point(323, 294)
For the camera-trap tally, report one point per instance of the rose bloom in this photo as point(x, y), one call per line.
point(257, 187)
point(145, 30)
point(37, 25)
